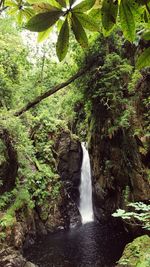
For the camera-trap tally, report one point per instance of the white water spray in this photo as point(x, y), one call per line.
point(86, 206)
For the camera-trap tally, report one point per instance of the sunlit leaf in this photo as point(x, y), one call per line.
point(51, 2)
point(127, 20)
point(44, 7)
point(109, 13)
point(43, 21)
point(13, 10)
point(95, 13)
point(79, 32)
point(44, 35)
point(36, 1)
point(63, 41)
point(11, 3)
point(118, 213)
point(88, 22)
point(28, 13)
point(20, 17)
point(84, 6)
point(144, 59)
point(59, 24)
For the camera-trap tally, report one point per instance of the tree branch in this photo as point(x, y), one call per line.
point(52, 90)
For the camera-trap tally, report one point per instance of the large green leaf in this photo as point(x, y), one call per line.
point(44, 7)
point(127, 20)
point(51, 2)
point(144, 59)
point(88, 22)
point(84, 6)
point(11, 3)
point(79, 32)
point(43, 21)
point(95, 13)
point(61, 2)
point(44, 35)
point(63, 41)
point(109, 13)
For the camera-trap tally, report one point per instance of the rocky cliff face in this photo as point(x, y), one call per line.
point(118, 173)
point(119, 168)
point(54, 214)
point(69, 160)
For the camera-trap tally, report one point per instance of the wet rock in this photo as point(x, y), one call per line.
point(29, 264)
point(69, 160)
point(12, 258)
point(137, 253)
point(119, 176)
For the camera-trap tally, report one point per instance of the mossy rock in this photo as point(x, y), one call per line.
point(137, 253)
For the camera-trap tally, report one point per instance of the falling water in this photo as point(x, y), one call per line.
point(86, 207)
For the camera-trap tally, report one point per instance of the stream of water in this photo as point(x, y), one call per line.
point(86, 206)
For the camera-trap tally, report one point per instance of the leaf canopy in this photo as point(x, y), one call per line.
point(93, 15)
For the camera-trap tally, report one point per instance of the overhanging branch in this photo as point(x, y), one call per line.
point(52, 90)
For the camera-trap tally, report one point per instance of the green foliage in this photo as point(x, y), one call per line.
point(13, 64)
point(109, 13)
point(134, 80)
point(108, 94)
point(140, 215)
point(43, 21)
point(42, 15)
point(127, 19)
point(88, 22)
point(144, 59)
point(21, 198)
point(37, 167)
point(79, 32)
point(136, 253)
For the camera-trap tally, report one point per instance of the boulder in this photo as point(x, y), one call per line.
point(136, 253)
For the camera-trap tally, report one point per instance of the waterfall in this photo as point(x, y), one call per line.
point(86, 206)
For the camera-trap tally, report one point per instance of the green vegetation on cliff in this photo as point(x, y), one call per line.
point(137, 253)
point(105, 103)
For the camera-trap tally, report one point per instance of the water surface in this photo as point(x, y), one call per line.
point(90, 245)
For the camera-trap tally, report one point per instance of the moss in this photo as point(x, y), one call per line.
point(137, 253)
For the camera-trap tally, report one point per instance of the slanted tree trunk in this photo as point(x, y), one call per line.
point(53, 90)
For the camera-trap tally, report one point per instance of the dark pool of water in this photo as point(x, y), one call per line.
point(90, 245)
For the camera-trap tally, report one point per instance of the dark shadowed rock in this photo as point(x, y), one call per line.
point(69, 160)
